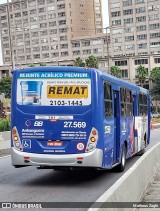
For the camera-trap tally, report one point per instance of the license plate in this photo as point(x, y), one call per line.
point(54, 143)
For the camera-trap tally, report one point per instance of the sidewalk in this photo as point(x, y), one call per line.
point(152, 194)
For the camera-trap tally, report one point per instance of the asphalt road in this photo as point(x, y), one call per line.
point(32, 185)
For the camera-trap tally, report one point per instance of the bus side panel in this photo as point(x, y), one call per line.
point(127, 134)
point(97, 109)
point(111, 138)
point(141, 125)
point(108, 143)
point(149, 119)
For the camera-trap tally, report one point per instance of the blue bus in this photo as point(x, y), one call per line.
point(66, 117)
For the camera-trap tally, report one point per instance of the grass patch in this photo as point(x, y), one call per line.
point(4, 125)
point(156, 120)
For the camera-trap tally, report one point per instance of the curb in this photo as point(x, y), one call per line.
point(131, 186)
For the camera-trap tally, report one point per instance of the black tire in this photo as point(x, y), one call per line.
point(140, 153)
point(122, 165)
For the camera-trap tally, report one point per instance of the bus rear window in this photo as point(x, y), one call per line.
point(54, 89)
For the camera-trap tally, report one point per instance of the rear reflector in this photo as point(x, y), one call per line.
point(80, 158)
point(26, 158)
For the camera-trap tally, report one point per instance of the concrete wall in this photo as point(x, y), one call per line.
point(5, 144)
point(131, 186)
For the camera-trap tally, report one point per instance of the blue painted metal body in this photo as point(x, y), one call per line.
point(23, 117)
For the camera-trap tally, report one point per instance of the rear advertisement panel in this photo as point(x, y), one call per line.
point(54, 89)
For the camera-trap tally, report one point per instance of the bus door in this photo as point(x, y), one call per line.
point(135, 145)
point(111, 125)
point(116, 114)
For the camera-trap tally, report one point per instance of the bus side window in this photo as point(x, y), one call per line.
point(129, 105)
point(123, 104)
point(142, 104)
point(108, 100)
point(145, 104)
point(123, 109)
point(126, 102)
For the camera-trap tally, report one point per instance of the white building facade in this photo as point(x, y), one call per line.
point(135, 34)
point(36, 31)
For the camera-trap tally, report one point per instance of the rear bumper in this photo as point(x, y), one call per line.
point(91, 159)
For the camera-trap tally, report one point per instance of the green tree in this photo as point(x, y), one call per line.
point(154, 73)
point(155, 77)
point(116, 71)
point(31, 65)
point(142, 74)
point(4, 125)
point(78, 62)
point(5, 86)
point(42, 64)
point(92, 61)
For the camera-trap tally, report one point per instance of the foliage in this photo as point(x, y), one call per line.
point(116, 71)
point(158, 110)
point(154, 73)
point(78, 62)
point(155, 76)
point(4, 125)
point(156, 120)
point(141, 74)
point(42, 64)
point(5, 86)
point(92, 61)
point(31, 65)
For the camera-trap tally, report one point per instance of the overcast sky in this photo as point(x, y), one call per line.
point(104, 11)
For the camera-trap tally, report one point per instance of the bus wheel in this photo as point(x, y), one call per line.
point(140, 153)
point(121, 166)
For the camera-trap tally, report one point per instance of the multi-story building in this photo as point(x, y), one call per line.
point(41, 30)
point(57, 31)
point(5, 71)
point(135, 34)
point(80, 47)
point(92, 45)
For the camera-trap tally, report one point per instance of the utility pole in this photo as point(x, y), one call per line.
point(107, 37)
point(10, 38)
